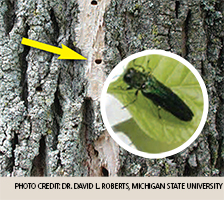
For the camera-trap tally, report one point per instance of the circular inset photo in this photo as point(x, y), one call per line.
point(154, 104)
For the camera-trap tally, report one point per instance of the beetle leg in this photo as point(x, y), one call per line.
point(128, 88)
point(159, 108)
point(136, 95)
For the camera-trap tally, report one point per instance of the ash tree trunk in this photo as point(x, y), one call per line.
point(50, 122)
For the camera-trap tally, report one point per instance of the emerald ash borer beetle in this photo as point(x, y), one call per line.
point(157, 92)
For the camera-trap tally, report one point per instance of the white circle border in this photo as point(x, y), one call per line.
point(163, 154)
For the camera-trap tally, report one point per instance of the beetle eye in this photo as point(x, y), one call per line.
point(131, 70)
point(127, 78)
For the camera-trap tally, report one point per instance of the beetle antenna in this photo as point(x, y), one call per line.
point(140, 66)
point(151, 71)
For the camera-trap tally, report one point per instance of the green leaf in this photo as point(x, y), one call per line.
point(173, 74)
point(141, 140)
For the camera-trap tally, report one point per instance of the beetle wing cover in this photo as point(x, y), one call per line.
point(164, 97)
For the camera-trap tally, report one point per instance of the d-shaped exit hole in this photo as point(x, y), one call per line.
point(98, 61)
point(94, 3)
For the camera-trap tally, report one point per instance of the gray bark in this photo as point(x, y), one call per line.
point(50, 123)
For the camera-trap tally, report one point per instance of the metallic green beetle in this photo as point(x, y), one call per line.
point(160, 95)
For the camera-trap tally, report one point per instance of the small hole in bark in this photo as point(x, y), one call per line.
point(75, 126)
point(39, 89)
point(104, 171)
point(98, 61)
point(96, 153)
point(94, 3)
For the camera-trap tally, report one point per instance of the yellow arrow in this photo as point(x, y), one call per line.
point(64, 52)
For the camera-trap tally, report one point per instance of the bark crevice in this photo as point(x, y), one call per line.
point(24, 65)
point(185, 29)
point(55, 27)
point(177, 6)
point(39, 162)
point(10, 16)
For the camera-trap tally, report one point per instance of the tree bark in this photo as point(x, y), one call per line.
point(50, 122)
